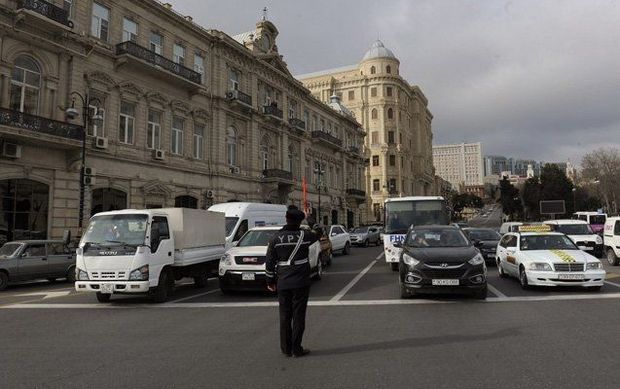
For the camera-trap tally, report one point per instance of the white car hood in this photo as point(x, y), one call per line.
point(558, 256)
point(258, 251)
point(582, 238)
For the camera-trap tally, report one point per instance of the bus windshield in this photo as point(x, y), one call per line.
point(400, 215)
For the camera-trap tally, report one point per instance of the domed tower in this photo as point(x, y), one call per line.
point(379, 60)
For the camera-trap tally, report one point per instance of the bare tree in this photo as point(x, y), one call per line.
point(602, 167)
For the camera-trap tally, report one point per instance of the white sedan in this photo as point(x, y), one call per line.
point(547, 259)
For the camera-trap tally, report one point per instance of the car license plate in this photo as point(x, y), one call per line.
point(248, 276)
point(106, 288)
point(449, 282)
point(570, 276)
point(491, 255)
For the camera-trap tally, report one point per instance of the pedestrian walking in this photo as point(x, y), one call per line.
point(288, 272)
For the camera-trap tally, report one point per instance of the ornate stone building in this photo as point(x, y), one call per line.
point(190, 117)
point(396, 117)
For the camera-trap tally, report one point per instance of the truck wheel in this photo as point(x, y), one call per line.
point(394, 266)
point(201, 280)
point(103, 297)
point(160, 293)
point(4, 280)
point(71, 275)
point(612, 259)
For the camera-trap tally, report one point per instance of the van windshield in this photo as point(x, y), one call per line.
point(597, 219)
point(231, 222)
point(575, 229)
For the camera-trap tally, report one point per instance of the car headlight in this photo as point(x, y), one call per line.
point(226, 260)
point(140, 274)
point(409, 260)
point(594, 266)
point(477, 260)
point(539, 266)
point(599, 240)
point(81, 275)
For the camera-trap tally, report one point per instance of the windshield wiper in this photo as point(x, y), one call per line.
point(122, 243)
point(88, 244)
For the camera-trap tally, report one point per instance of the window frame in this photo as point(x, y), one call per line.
point(24, 86)
point(178, 57)
point(198, 141)
point(128, 118)
point(97, 26)
point(129, 36)
point(153, 130)
point(157, 48)
point(176, 135)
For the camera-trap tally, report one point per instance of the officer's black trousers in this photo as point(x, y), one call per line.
point(293, 304)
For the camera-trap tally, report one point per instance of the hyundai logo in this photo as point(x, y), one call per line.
point(444, 265)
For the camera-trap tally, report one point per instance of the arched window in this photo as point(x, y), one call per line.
point(390, 113)
point(24, 210)
point(186, 202)
point(264, 152)
point(373, 70)
point(373, 113)
point(25, 85)
point(108, 199)
point(231, 146)
point(388, 69)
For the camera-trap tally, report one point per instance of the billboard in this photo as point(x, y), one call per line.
point(552, 207)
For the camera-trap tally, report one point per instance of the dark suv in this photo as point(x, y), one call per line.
point(440, 259)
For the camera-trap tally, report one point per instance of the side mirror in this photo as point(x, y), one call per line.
point(398, 245)
point(333, 234)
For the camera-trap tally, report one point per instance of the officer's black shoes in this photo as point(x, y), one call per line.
point(303, 353)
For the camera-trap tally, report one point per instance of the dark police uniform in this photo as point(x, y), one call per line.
point(287, 263)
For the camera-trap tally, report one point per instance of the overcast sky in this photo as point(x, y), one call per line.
point(528, 78)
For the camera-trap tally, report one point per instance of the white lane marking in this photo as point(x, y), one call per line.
point(612, 283)
point(321, 303)
point(354, 281)
point(341, 272)
point(495, 291)
point(46, 295)
point(381, 255)
point(193, 296)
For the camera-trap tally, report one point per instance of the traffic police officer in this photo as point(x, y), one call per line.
point(288, 266)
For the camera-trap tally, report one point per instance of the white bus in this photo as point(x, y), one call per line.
point(404, 212)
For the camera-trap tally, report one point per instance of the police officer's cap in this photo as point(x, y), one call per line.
point(295, 216)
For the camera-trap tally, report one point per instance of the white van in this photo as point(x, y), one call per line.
point(611, 239)
point(580, 232)
point(509, 227)
point(240, 217)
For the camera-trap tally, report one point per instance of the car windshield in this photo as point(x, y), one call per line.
point(575, 229)
point(547, 242)
point(483, 235)
point(231, 222)
point(256, 238)
point(440, 237)
point(597, 219)
point(400, 215)
point(9, 249)
point(360, 230)
point(120, 229)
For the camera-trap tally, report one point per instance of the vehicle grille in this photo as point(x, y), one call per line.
point(586, 244)
point(107, 275)
point(569, 267)
point(250, 260)
point(444, 273)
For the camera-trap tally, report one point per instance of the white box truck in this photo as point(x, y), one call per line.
point(145, 251)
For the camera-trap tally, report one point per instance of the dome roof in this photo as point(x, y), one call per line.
point(336, 104)
point(378, 50)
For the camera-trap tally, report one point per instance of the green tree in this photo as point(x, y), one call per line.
point(509, 198)
point(531, 198)
point(554, 185)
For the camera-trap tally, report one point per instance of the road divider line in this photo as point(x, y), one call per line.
point(495, 291)
point(380, 255)
point(354, 281)
point(194, 296)
point(617, 285)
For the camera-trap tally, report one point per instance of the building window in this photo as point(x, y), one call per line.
point(375, 160)
point(24, 210)
point(264, 153)
point(100, 22)
point(93, 129)
point(388, 69)
point(233, 80)
point(373, 92)
point(231, 146)
point(107, 199)
point(376, 185)
point(130, 30)
point(392, 160)
point(25, 85)
point(176, 141)
point(388, 91)
point(351, 95)
point(291, 159)
point(374, 137)
point(391, 137)
point(292, 108)
point(157, 43)
point(390, 113)
point(373, 70)
point(186, 202)
point(374, 114)
point(392, 185)
point(178, 54)
point(199, 133)
point(153, 132)
point(126, 122)
point(199, 66)
point(67, 5)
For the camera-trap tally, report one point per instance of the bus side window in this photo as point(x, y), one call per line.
point(243, 228)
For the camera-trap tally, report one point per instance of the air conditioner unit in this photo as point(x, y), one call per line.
point(209, 194)
point(101, 142)
point(11, 150)
point(159, 154)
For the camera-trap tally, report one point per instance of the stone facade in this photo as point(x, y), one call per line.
point(396, 118)
point(191, 117)
point(460, 164)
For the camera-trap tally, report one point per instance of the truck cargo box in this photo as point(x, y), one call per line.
point(194, 228)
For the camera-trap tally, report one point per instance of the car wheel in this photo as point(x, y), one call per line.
point(481, 294)
point(612, 259)
point(523, 279)
point(4, 280)
point(319, 270)
point(71, 275)
point(394, 266)
point(347, 249)
point(500, 270)
point(160, 294)
point(103, 297)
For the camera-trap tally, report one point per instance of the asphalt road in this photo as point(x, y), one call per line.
point(492, 220)
point(360, 333)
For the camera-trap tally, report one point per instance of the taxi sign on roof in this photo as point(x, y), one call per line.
point(535, 228)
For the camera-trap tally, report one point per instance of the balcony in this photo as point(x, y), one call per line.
point(240, 97)
point(273, 112)
point(354, 150)
point(278, 175)
point(45, 14)
point(328, 139)
point(297, 125)
point(159, 64)
point(356, 194)
point(37, 127)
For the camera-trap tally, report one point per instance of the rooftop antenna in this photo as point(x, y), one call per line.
point(264, 14)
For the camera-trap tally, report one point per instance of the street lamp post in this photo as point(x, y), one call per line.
point(318, 170)
point(87, 119)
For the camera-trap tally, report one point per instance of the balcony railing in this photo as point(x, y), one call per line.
point(322, 135)
point(298, 123)
point(40, 124)
point(354, 149)
point(356, 192)
point(240, 96)
point(272, 110)
point(46, 9)
point(153, 58)
point(278, 174)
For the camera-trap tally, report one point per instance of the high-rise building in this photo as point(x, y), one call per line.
point(460, 164)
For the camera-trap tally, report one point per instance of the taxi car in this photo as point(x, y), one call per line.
point(536, 255)
point(243, 265)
